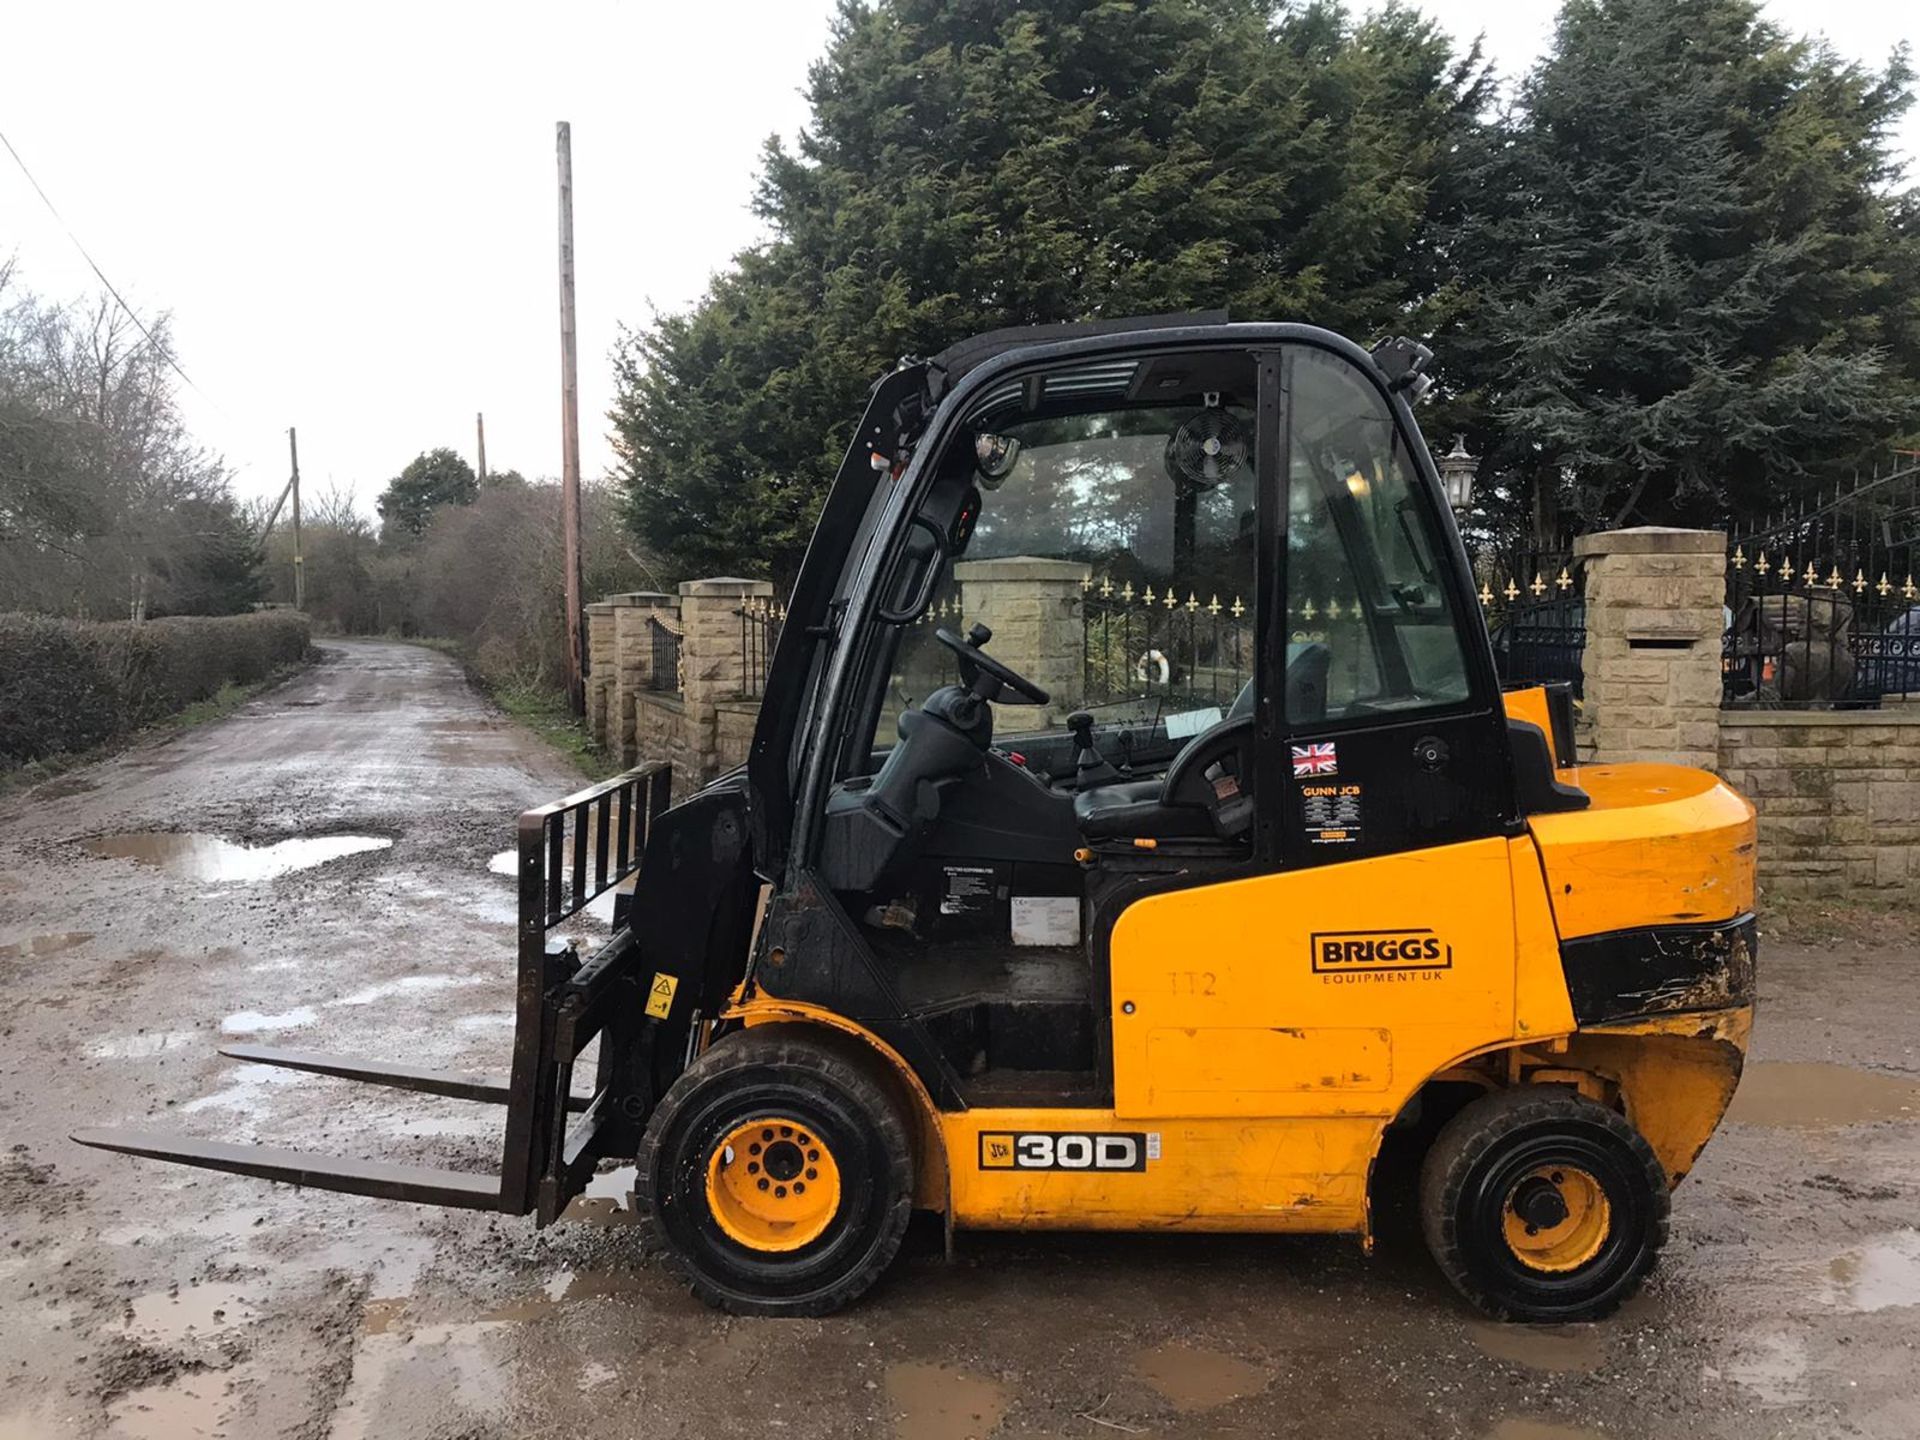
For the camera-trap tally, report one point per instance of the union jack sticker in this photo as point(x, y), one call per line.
point(1315, 760)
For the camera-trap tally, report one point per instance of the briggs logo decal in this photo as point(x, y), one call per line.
point(1346, 952)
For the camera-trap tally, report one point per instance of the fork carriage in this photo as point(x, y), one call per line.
point(570, 853)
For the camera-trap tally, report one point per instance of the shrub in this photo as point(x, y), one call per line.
point(70, 684)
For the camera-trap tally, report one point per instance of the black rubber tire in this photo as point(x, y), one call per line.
point(848, 1101)
point(1472, 1167)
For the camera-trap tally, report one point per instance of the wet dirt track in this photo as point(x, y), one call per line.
point(142, 1300)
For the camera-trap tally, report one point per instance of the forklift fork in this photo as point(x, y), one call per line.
point(570, 853)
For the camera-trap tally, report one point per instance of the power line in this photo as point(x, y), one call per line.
point(163, 351)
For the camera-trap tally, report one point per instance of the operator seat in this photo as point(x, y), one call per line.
point(1144, 810)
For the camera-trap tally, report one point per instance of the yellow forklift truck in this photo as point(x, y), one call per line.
point(1135, 837)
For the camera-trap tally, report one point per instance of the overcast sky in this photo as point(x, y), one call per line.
point(349, 208)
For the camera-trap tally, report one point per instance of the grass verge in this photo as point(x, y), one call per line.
point(217, 706)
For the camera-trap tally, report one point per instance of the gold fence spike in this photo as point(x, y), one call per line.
point(1171, 599)
point(1238, 609)
point(1538, 587)
point(1213, 605)
point(1907, 590)
point(1486, 593)
point(1833, 578)
point(1307, 611)
point(1883, 587)
point(1106, 586)
point(1512, 592)
point(1148, 597)
point(1126, 592)
point(1761, 566)
point(1739, 557)
point(1193, 602)
point(1859, 581)
point(1563, 579)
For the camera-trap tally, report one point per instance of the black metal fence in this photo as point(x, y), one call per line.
point(760, 622)
point(1159, 648)
point(1536, 614)
point(663, 671)
point(1822, 609)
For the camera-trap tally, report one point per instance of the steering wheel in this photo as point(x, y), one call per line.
point(975, 663)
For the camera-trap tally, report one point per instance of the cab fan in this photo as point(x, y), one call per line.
point(1210, 446)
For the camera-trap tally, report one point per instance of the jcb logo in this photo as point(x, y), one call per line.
point(1349, 950)
point(1051, 1150)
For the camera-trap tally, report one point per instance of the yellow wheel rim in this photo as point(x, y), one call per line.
point(772, 1185)
point(1572, 1194)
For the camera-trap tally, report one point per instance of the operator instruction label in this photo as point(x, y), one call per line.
point(1330, 813)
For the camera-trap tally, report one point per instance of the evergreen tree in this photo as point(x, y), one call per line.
point(432, 479)
point(1697, 291)
point(977, 163)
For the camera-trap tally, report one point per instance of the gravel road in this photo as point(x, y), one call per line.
point(152, 906)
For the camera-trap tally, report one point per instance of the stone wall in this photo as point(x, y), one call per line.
point(693, 718)
point(1838, 793)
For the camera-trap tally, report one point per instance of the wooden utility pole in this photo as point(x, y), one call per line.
point(480, 432)
point(299, 574)
point(570, 425)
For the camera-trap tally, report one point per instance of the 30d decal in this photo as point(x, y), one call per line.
point(1058, 1150)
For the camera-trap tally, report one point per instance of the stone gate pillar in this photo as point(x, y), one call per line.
point(1033, 608)
point(714, 657)
point(1655, 599)
point(632, 664)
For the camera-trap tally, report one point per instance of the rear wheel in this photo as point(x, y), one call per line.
point(777, 1175)
point(1539, 1204)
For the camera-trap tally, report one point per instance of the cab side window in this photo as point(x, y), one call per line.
point(1365, 604)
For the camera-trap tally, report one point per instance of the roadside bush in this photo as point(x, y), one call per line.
point(70, 684)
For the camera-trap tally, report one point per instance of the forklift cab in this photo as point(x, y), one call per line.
point(1129, 621)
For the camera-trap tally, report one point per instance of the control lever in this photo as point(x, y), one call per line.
point(1090, 767)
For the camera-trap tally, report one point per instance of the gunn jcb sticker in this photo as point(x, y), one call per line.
point(1353, 952)
point(1057, 1150)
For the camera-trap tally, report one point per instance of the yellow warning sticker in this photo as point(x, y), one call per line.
point(660, 997)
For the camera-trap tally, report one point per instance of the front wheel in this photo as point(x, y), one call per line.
point(776, 1175)
point(1539, 1204)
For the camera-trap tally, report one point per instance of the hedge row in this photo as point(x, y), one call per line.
point(70, 684)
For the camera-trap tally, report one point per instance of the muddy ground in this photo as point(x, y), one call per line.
point(142, 1300)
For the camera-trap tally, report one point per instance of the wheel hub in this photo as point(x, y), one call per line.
point(1556, 1218)
point(772, 1185)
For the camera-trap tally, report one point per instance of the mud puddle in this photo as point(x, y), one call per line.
point(607, 1200)
point(1565, 1349)
point(1190, 1378)
point(36, 946)
point(933, 1402)
point(192, 1406)
point(1773, 1366)
point(1880, 1275)
point(1811, 1095)
point(194, 856)
point(192, 1311)
point(507, 862)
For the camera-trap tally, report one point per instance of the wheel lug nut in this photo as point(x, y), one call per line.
point(813, 1174)
point(753, 1167)
point(763, 1182)
point(779, 1192)
point(813, 1154)
point(799, 1187)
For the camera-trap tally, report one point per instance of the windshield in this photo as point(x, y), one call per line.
point(1114, 563)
